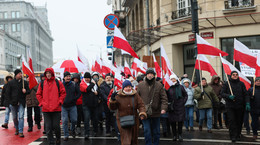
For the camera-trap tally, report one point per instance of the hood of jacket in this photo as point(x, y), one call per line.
point(52, 73)
point(183, 83)
point(213, 78)
point(121, 93)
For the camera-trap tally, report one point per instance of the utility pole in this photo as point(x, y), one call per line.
point(195, 30)
point(148, 26)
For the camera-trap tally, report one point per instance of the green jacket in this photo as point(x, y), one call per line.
point(206, 102)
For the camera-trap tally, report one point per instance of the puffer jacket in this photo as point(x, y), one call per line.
point(72, 94)
point(79, 101)
point(255, 100)
point(216, 87)
point(190, 92)
point(88, 96)
point(49, 97)
point(31, 100)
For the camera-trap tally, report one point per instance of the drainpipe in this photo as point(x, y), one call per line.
point(148, 25)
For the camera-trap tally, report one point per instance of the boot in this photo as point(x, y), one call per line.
point(39, 126)
point(191, 129)
point(174, 138)
point(200, 128)
point(30, 129)
point(21, 135)
point(5, 125)
point(180, 138)
point(16, 132)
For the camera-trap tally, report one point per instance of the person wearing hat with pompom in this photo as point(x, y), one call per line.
point(128, 102)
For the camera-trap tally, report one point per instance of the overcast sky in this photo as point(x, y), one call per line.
point(77, 22)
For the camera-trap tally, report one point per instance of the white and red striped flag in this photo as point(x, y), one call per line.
point(257, 70)
point(121, 43)
point(167, 82)
point(98, 65)
point(137, 65)
point(26, 70)
point(243, 54)
point(83, 59)
point(127, 70)
point(118, 80)
point(157, 67)
point(228, 68)
point(204, 64)
point(29, 59)
point(204, 47)
point(166, 66)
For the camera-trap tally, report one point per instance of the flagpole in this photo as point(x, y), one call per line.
point(193, 75)
point(23, 79)
point(254, 86)
point(227, 79)
point(234, 62)
point(200, 76)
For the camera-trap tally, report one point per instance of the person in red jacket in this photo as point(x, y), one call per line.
point(51, 94)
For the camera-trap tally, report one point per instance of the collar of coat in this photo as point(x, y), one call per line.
point(121, 93)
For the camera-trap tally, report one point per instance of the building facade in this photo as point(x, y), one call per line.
point(30, 25)
point(150, 23)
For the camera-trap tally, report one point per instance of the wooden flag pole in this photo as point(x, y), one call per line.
point(193, 75)
point(234, 62)
point(200, 77)
point(254, 87)
point(227, 79)
point(23, 79)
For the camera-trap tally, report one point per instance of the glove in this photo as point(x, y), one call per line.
point(248, 108)
point(231, 97)
point(113, 96)
point(202, 93)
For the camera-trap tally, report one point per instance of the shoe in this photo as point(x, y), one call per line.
point(187, 129)
point(5, 125)
point(233, 140)
point(174, 138)
point(66, 138)
point(58, 142)
point(21, 135)
point(108, 134)
point(248, 132)
point(180, 138)
point(39, 126)
point(44, 132)
point(86, 137)
point(94, 134)
point(30, 129)
point(73, 134)
point(16, 132)
point(254, 137)
point(200, 128)
point(209, 131)
point(215, 127)
point(191, 129)
point(238, 138)
point(78, 131)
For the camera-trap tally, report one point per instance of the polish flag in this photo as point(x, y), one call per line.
point(106, 68)
point(83, 59)
point(257, 70)
point(137, 65)
point(127, 70)
point(26, 70)
point(228, 68)
point(118, 80)
point(93, 69)
point(29, 58)
point(243, 54)
point(121, 43)
point(98, 65)
point(166, 66)
point(157, 67)
point(204, 64)
point(205, 48)
point(167, 82)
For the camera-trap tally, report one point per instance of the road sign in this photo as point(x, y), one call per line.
point(110, 21)
point(110, 41)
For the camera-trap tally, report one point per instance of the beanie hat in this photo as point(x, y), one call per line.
point(66, 74)
point(150, 71)
point(204, 79)
point(87, 75)
point(258, 78)
point(95, 73)
point(108, 75)
point(126, 83)
point(234, 72)
point(17, 71)
point(140, 78)
point(173, 76)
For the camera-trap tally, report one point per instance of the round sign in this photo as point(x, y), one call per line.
point(110, 21)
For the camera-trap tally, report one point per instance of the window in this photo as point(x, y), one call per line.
point(1, 26)
point(5, 15)
point(184, 8)
point(6, 27)
point(1, 15)
point(15, 14)
point(13, 27)
point(16, 27)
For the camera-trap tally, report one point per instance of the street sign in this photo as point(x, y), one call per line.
point(110, 41)
point(110, 21)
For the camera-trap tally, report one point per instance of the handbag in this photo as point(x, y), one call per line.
point(148, 107)
point(129, 120)
point(170, 106)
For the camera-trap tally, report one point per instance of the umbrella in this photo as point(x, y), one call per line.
point(72, 66)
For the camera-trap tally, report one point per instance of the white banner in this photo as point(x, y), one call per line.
point(245, 69)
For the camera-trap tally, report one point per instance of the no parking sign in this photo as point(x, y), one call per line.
point(110, 21)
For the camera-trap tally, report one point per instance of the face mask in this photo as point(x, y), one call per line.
point(128, 93)
point(174, 83)
point(95, 79)
point(109, 82)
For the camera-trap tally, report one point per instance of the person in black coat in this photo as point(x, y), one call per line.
point(177, 97)
point(235, 104)
point(255, 106)
point(16, 92)
point(5, 103)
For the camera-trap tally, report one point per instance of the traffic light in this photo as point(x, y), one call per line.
point(109, 55)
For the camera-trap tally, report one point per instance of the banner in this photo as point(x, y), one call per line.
point(245, 69)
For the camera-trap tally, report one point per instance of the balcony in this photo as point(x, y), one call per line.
point(181, 13)
point(232, 6)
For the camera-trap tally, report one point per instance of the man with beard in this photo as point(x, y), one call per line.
point(152, 92)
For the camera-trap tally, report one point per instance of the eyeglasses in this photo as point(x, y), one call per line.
point(234, 74)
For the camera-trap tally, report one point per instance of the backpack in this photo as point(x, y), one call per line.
point(57, 83)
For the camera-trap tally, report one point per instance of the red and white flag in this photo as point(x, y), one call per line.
point(204, 64)
point(243, 54)
point(26, 70)
point(205, 48)
point(118, 80)
point(257, 70)
point(228, 68)
point(121, 43)
point(127, 70)
point(167, 82)
point(29, 58)
point(166, 66)
point(93, 69)
point(83, 59)
point(106, 68)
point(137, 65)
point(157, 67)
point(98, 65)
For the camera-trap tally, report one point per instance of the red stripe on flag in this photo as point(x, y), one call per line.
point(245, 58)
point(210, 50)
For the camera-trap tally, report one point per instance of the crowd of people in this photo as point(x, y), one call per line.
point(142, 101)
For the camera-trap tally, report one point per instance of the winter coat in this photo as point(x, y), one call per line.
point(72, 94)
point(216, 87)
point(50, 97)
point(124, 105)
point(239, 91)
point(206, 102)
point(178, 113)
point(79, 101)
point(14, 94)
point(4, 102)
point(105, 90)
point(190, 93)
point(255, 101)
point(155, 91)
point(31, 100)
point(88, 97)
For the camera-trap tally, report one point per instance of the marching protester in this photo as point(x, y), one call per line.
point(177, 97)
point(5, 103)
point(33, 104)
point(69, 108)
point(127, 102)
point(51, 94)
point(236, 104)
point(89, 90)
point(255, 107)
point(206, 99)
point(189, 105)
point(16, 92)
point(155, 99)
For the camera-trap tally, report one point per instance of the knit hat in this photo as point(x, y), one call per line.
point(108, 75)
point(150, 71)
point(95, 73)
point(234, 72)
point(87, 75)
point(17, 71)
point(258, 78)
point(173, 76)
point(140, 78)
point(126, 83)
point(203, 79)
point(66, 74)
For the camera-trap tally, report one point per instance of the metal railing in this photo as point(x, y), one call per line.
point(184, 12)
point(232, 4)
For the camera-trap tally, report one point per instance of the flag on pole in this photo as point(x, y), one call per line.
point(127, 70)
point(204, 64)
point(167, 82)
point(121, 43)
point(166, 66)
point(29, 59)
point(257, 70)
point(83, 59)
point(26, 70)
point(243, 54)
point(205, 48)
point(157, 67)
point(98, 65)
point(137, 65)
point(118, 80)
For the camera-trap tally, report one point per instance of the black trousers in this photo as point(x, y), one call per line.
point(235, 119)
point(52, 122)
point(215, 116)
point(110, 121)
point(80, 117)
point(174, 130)
point(37, 115)
point(255, 122)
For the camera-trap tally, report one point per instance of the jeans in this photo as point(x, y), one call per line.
point(7, 114)
point(65, 113)
point(90, 113)
point(208, 112)
point(18, 111)
point(37, 116)
point(52, 122)
point(152, 125)
point(255, 123)
point(189, 116)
